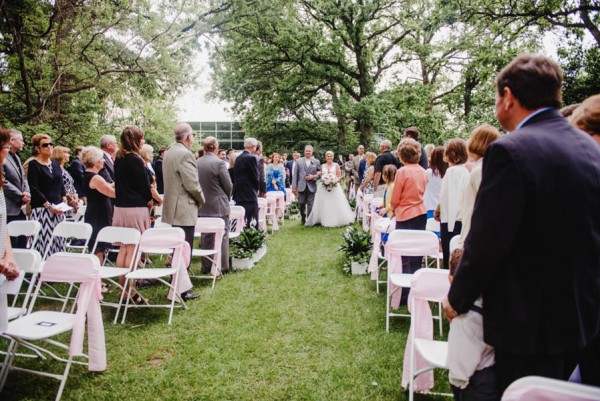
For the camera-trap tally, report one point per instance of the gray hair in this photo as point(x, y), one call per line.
point(386, 143)
point(258, 145)
point(106, 140)
point(307, 147)
point(15, 133)
point(250, 142)
point(182, 131)
point(91, 155)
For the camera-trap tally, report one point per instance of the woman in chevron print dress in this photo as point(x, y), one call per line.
point(47, 190)
point(8, 268)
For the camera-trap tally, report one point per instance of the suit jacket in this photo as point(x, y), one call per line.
point(108, 171)
point(183, 195)
point(158, 171)
point(262, 183)
point(216, 185)
point(246, 177)
point(533, 250)
point(15, 183)
point(355, 165)
point(77, 171)
point(301, 171)
point(289, 171)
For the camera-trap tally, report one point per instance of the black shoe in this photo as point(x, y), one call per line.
point(189, 295)
point(146, 283)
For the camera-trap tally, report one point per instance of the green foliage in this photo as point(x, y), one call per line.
point(249, 241)
point(293, 208)
point(357, 243)
point(581, 70)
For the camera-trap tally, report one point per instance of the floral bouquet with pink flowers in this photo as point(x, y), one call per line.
point(329, 181)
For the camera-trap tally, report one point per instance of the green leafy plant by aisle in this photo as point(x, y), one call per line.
point(249, 241)
point(352, 203)
point(356, 246)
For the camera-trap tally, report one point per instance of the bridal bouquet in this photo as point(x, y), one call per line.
point(329, 181)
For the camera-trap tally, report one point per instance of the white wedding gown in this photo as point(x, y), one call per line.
point(330, 208)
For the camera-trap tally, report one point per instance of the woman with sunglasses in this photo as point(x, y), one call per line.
point(47, 191)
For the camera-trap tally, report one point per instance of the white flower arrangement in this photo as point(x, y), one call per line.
point(329, 181)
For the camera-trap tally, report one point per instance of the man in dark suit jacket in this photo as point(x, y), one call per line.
point(262, 183)
point(108, 144)
point(16, 188)
point(77, 171)
point(246, 178)
point(158, 170)
point(533, 251)
point(216, 185)
point(289, 168)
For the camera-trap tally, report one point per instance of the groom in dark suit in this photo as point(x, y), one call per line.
point(304, 181)
point(533, 251)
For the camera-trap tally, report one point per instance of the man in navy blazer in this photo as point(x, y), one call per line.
point(533, 251)
point(246, 181)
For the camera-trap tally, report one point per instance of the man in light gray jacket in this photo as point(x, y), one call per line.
point(16, 188)
point(216, 186)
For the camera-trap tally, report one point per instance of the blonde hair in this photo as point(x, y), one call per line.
point(481, 138)
point(370, 157)
point(389, 173)
point(146, 152)
point(58, 153)
point(37, 138)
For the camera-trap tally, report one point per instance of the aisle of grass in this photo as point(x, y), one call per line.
point(293, 328)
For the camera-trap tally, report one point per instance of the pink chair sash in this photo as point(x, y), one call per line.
point(272, 205)
point(428, 284)
point(171, 238)
point(382, 225)
point(262, 214)
point(85, 269)
point(366, 207)
point(394, 250)
point(289, 196)
point(375, 203)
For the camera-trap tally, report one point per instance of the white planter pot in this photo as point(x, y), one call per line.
point(359, 268)
point(260, 252)
point(242, 264)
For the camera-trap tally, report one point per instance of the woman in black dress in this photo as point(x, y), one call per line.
point(47, 191)
point(99, 207)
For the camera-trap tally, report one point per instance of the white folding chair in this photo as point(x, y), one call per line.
point(382, 226)
point(376, 203)
point(405, 243)
point(70, 231)
point(236, 221)
point(158, 238)
point(271, 215)
point(366, 211)
point(45, 325)
point(262, 214)
point(279, 205)
point(536, 388)
point(124, 236)
point(434, 226)
point(80, 215)
point(29, 261)
point(216, 226)
point(29, 228)
point(426, 285)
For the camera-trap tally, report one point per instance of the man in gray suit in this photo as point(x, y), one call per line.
point(216, 185)
point(16, 188)
point(356, 164)
point(183, 195)
point(304, 183)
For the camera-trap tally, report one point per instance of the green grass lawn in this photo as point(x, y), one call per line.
point(293, 328)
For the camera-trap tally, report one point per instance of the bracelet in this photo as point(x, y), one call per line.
point(48, 206)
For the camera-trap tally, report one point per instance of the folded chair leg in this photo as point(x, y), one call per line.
point(10, 355)
point(63, 380)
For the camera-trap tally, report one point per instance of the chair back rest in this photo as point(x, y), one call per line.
point(376, 202)
point(535, 388)
point(168, 237)
point(432, 225)
point(210, 225)
point(29, 260)
point(29, 228)
point(67, 267)
point(236, 219)
point(289, 196)
point(455, 242)
point(430, 284)
point(262, 209)
point(70, 229)
point(412, 243)
point(123, 235)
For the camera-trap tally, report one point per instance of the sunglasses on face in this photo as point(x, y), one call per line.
point(45, 145)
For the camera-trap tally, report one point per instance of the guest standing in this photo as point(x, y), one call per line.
point(133, 198)
point(276, 175)
point(108, 144)
point(183, 195)
point(146, 153)
point(368, 181)
point(216, 185)
point(61, 155)
point(407, 199)
point(454, 183)
point(8, 267)
point(385, 157)
point(16, 188)
point(158, 162)
point(246, 178)
point(99, 211)
point(77, 171)
point(435, 174)
point(47, 190)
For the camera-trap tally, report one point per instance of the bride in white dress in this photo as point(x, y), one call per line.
point(330, 207)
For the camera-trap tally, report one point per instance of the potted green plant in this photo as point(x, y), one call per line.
point(357, 248)
point(293, 211)
point(352, 203)
point(248, 248)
